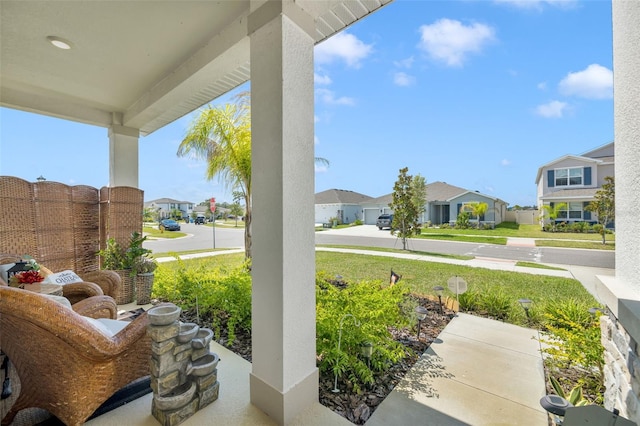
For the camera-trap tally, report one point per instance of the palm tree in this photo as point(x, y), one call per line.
point(552, 212)
point(222, 137)
point(476, 209)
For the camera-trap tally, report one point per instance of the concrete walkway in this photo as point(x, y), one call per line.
point(477, 372)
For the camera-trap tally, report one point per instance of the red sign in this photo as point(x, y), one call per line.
point(212, 205)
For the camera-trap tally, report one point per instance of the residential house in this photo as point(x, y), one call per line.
point(164, 207)
point(444, 203)
point(339, 203)
point(574, 181)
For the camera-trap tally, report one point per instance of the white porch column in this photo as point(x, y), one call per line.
point(621, 294)
point(284, 377)
point(626, 65)
point(123, 156)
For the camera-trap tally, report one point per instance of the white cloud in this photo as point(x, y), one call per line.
point(328, 97)
point(451, 41)
point(505, 162)
point(344, 46)
point(404, 63)
point(321, 79)
point(403, 79)
point(316, 141)
point(316, 118)
point(539, 4)
point(553, 109)
point(320, 169)
point(542, 85)
point(594, 82)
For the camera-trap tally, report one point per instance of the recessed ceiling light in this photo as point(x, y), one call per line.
point(59, 42)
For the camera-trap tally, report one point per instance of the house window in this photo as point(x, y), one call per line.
point(569, 177)
point(573, 211)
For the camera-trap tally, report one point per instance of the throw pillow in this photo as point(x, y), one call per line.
point(62, 278)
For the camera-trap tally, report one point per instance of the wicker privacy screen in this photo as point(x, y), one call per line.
point(64, 226)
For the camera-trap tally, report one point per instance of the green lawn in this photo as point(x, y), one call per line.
point(421, 276)
point(156, 233)
point(511, 229)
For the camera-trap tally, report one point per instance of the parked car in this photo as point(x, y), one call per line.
point(170, 225)
point(199, 220)
point(384, 221)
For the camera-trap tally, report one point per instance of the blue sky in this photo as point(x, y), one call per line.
point(477, 94)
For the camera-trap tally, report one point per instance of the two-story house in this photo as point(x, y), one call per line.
point(573, 180)
point(165, 206)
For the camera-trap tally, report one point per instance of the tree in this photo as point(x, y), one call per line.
point(419, 194)
point(222, 137)
point(476, 209)
point(236, 210)
point(409, 195)
point(604, 205)
point(551, 213)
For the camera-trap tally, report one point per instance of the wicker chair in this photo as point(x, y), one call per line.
point(66, 365)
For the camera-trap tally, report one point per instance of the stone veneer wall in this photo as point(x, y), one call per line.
point(621, 369)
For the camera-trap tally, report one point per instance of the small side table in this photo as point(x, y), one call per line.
point(48, 289)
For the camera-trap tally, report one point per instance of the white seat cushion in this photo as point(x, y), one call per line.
point(106, 326)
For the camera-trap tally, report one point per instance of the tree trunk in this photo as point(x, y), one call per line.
point(247, 234)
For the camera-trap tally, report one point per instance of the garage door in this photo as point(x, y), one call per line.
point(370, 216)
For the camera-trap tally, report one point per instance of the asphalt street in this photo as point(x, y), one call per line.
point(202, 237)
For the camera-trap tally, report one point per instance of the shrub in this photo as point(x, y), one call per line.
point(375, 307)
point(463, 220)
point(220, 295)
point(496, 303)
point(358, 222)
point(572, 338)
point(469, 301)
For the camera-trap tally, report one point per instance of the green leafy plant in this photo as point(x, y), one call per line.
point(134, 257)
point(113, 255)
point(463, 221)
point(575, 396)
point(573, 335)
point(376, 307)
point(221, 297)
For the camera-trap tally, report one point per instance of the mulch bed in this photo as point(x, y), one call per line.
point(357, 408)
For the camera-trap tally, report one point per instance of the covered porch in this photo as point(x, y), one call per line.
point(133, 67)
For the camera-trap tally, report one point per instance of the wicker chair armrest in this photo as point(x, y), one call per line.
point(109, 281)
point(97, 307)
point(76, 292)
point(65, 325)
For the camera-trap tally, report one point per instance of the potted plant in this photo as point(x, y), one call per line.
point(144, 268)
point(126, 262)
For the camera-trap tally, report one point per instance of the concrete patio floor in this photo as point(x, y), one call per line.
point(478, 372)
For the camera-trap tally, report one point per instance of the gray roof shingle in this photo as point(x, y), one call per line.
point(340, 196)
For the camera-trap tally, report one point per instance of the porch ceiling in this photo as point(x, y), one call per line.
point(140, 64)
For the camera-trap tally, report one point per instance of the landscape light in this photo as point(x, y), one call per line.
point(421, 313)
point(439, 289)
